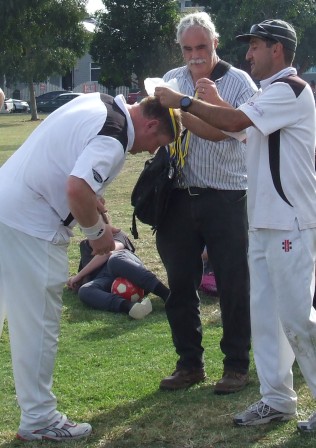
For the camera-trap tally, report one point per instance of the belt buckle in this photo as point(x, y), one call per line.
point(192, 194)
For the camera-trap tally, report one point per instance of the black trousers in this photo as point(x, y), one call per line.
point(216, 219)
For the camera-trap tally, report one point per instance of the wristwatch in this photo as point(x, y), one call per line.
point(185, 103)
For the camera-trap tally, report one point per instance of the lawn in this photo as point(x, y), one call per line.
point(109, 367)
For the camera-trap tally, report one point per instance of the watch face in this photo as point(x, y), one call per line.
point(185, 102)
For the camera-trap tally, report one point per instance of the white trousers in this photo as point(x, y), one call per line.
point(33, 273)
point(283, 321)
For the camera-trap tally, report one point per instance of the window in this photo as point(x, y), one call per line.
point(95, 71)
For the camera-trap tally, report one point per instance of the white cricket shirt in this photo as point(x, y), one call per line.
point(282, 185)
point(33, 181)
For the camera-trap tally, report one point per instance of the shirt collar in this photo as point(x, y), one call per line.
point(282, 74)
point(121, 102)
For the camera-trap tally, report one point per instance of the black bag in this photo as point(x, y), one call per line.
point(150, 195)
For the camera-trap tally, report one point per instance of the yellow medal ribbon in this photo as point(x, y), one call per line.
point(175, 148)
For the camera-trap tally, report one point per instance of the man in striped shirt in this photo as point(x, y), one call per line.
point(207, 208)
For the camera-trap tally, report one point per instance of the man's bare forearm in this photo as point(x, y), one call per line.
point(227, 119)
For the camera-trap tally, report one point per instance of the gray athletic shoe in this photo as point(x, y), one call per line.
point(308, 425)
point(142, 309)
point(60, 430)
point(260, 413)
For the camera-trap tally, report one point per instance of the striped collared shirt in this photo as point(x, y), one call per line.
point(219, 165)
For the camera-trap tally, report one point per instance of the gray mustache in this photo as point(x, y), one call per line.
point(196, 61)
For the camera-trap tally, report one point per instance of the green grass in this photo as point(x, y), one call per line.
point(109, 367)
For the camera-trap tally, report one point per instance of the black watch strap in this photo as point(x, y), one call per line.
point(185, 103)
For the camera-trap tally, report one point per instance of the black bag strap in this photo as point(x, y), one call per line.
point(219, 70)
point(68, 220)
point(133, 229)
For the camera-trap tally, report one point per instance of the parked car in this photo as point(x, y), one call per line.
point(134, 97)
point(60, 100)
point(6, 108)
point(40, 99)
point(13, 105)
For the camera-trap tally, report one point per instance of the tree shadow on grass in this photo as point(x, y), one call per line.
point(194, 418)
point(115, 324)
point(13, 123)
point(8, 125)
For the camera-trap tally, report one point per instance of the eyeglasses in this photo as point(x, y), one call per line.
point(261, 31)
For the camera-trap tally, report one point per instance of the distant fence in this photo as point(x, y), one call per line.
point(87, 87)
point(22, 91)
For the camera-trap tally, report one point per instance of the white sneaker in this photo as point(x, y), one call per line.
point(60, 430)
point(308, 425)
point(260, 413)
point(142, 309)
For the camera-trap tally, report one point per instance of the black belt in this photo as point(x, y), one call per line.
point(196, 191)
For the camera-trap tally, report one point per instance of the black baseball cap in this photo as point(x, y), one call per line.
point(275, 30)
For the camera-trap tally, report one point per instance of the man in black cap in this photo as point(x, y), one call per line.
point(273, 31)
point(279, 121)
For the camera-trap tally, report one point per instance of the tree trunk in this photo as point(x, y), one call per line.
point(33, 105)
point(304, 66)
point(141, 85)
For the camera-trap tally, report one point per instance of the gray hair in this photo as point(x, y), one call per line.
point(201, 19)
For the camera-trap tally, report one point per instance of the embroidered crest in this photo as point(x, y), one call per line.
point(286, 245)
point(97, 177)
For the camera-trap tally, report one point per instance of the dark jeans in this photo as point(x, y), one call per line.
point(122, 263)
point(217, 219)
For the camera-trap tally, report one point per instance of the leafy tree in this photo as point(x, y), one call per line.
point(233, 17)
point(300, 13)
point(226, 16)
point(44, 40)
point(13, 8)
point(135, 37)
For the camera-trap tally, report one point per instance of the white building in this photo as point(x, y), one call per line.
point(186, 5)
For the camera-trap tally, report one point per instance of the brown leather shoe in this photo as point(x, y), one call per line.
point(182, 379)
point(231, 382)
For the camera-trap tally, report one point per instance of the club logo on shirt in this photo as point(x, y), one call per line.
point(97, 177)
point(286, 245)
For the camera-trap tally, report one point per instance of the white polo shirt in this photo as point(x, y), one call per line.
point(282, 183)
point(33, 181)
